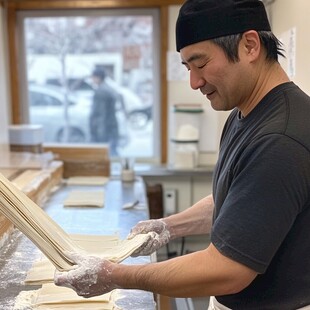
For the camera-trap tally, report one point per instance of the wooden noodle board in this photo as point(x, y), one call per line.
point(80, 160)
point(37, 183)
point(36, 188)
point(10, 173)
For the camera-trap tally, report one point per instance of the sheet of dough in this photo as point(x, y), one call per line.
point(52, 294)
point(85, 199)
point(87, 180)
point(52, 297)
point(25, 300)
point(43, 271)
point(80, 306)
point(95, 243)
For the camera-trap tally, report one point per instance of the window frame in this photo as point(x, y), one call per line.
point(22, 16)
point(21, 5)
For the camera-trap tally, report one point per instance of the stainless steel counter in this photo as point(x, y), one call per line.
point(18, 253)
point(150, 170)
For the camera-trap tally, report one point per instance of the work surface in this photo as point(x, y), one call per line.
point(18, 253)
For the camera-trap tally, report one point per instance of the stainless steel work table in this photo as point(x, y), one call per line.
point(18, 253)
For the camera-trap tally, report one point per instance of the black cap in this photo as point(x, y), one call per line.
point(201, 20)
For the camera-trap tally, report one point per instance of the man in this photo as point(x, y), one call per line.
point(259, 252)
point(103, 122)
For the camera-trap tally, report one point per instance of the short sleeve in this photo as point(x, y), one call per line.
point(269, 188)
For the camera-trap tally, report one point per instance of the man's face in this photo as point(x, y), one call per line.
point(223, 82)
point(96, 80)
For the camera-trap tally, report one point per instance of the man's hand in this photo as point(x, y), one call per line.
point(91, 277)
point(158, 232)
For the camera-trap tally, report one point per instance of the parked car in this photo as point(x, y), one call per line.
point(47, 107)
point(139, 118)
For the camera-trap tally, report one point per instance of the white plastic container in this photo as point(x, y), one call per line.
point(185, 127)
point(26, 134)
point(128, 173)
point(26, 138)
point(184, 154)
point(186, 122)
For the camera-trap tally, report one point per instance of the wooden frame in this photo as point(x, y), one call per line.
point(88, 4)
point(15, 5)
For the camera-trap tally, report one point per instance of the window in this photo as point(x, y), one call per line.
point(59, 54)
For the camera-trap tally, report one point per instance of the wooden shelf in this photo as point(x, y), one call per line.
point(35, 183)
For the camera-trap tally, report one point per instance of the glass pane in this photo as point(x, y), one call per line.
point(61, 55)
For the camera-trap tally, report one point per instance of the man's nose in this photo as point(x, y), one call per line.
point(196, 81)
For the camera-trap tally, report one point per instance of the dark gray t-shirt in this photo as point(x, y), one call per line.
point(261, 191)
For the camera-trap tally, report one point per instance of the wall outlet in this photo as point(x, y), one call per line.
point(170, 201)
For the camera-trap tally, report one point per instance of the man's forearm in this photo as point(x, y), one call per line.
point(193, 221)
point(203, 273)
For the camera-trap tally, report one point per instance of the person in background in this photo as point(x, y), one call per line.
point(103, 121)
point(258, 214)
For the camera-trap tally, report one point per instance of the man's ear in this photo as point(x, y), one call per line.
point(251, 45)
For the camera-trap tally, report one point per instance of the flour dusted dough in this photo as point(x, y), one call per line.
point(43, 271)
point(85, 199)
point(52, 297)
point(95, 243)
point(79, 306)
point(85, 180)
point(52, 294)
point(46, 234)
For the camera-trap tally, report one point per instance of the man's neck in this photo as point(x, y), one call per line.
point(270, 77)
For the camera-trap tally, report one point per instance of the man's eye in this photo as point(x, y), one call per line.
point(200, 67)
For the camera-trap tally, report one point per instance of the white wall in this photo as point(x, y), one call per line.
point(181, 92)
point(285, 15)
point(4, 101)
